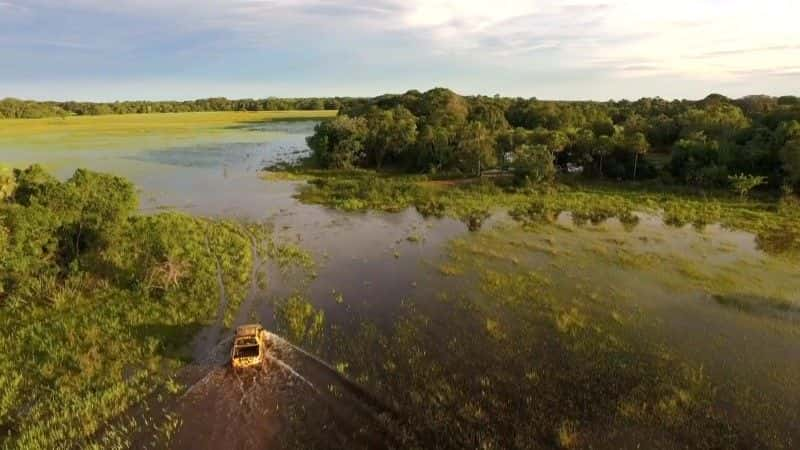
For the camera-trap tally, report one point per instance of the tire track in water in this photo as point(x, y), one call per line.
point(209, 336)
point(215, 386)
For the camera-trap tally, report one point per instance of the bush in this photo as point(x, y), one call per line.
point(742, 184)
point(8, 183)
point(30, 249)
point(32, 182)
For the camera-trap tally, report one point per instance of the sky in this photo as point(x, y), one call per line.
point(106, 50)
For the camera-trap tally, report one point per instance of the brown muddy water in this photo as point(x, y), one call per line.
point(564, 335)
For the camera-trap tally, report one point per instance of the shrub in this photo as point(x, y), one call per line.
point(8, 183)
point(742, 184)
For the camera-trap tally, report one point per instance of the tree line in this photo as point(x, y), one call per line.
point(713, 142)
point(11, 108)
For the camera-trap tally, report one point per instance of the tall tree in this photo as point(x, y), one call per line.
point(790, 158)
point(475, 148)
point(636, 143)
point(390, 133)
point(533, 164)
point(339, 143)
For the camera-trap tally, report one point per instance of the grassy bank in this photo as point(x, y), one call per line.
point(775, 222)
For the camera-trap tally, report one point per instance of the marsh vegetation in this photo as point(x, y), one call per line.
point(99, 303)
point(550, 310)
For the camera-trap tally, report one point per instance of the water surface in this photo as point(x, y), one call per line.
point(210, 173)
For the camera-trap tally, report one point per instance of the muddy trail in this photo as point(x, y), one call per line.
point(293, 399)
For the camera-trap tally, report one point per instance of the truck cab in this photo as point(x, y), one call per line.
point(249, 345)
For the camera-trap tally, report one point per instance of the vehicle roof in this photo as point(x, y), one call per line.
point(248, 330)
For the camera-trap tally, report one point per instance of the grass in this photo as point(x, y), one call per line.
point(551, 334)
point(145, 123)
point(530, 354)
point(137, 131)
point(101, 346)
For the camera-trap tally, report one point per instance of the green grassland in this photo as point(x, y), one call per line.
point(80, 132)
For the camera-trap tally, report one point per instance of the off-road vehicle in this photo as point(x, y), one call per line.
point(249, 346)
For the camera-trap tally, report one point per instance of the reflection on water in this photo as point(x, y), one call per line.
point(578, 332)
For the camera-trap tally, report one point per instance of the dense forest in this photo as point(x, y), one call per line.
point(11, 108)
point(715, 142)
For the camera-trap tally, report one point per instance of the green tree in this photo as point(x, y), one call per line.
point(390, 133)
point(720, 121)
point(787, 131)
point(435, 150)
point(33, 182)
point(603, 147)
point(663, 131)
point(555, 141)
point(443, 108)
point(490, 114)
point(603, 126)
point(508, 140)
point(101, 204)
point(697, 160)
point(31, 249)
point(339, 143)
point(533, 164)
point(636, 143)
point(790, 159)
point(475, 149)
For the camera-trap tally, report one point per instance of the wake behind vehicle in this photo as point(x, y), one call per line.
point(249, 346)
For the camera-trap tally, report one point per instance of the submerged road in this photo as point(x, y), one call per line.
point(292, 399)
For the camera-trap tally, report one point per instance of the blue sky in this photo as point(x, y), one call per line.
point(576, 49)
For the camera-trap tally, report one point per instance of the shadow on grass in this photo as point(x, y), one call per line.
point(761, 306)
point(256, 123)
point(172, 340)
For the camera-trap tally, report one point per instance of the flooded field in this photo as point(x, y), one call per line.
point(564, 332)
point(205, 169)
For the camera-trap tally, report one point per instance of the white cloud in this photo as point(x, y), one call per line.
point(707, 40)
point(668, 35)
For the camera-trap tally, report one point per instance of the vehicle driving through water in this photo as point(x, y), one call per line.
point(249, 346)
